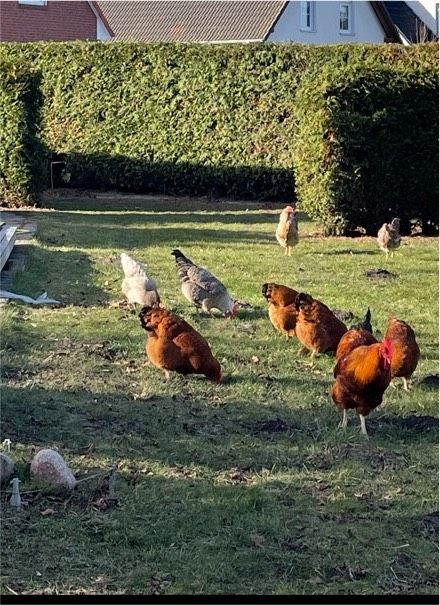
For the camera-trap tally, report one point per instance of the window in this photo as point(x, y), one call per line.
point(307, 16)
point(345, 18)
point(33, 2)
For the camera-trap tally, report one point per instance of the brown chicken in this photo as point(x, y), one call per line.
point(174, 346)
point(388, 237)
point(287, 230)
point(358, 335)
point(282, 309)
point(406, 352)
point(317, 328)
point(362, 377)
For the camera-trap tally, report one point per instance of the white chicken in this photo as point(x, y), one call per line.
point(203, 289)
point(287, 230)
point(137, 286)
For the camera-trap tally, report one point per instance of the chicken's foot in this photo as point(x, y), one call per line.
point(363, 426)
point(344, 421)
point(405, 384)
point(302, 351)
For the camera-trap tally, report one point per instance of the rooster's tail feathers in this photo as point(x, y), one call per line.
point(365, 324)
point(303, 299)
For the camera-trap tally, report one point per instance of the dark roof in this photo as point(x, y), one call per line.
point(391, 33)
point(190, 20)
point(408, 23)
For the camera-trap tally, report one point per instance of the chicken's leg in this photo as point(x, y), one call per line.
point(285, 251)
point(405, 384)
point(387, 254)
point(167, 375)
point(344, 422)
point(363, 426)
point(290, 250)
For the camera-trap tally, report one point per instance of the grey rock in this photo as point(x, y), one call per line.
point(6, 467)
point(48, 466)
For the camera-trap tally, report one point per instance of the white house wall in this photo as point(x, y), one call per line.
point(101, 30)
point(367, 27)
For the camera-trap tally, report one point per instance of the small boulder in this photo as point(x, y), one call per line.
point(6, 467)
point(48, 466)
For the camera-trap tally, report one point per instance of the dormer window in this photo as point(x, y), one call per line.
point(307, 16)
point(345, 18)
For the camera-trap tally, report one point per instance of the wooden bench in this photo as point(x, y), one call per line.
point(8, 235)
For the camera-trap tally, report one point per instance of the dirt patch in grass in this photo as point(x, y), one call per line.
point(367, 454)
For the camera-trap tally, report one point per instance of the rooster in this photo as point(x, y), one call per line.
point(282, 309)
point(175, 346)
point(358, 335)
point(136, 285)
point(287, 230)
point(317, 328)
point(388, 237)
point(203, 289)
point(362, 376)
point(406, 351)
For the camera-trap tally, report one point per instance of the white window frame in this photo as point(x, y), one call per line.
point(33, 2)
point(350, 30)
point(307, 9)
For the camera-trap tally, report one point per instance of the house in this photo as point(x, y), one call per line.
point(411, 27)
point(30, 20)
point(220, 21)
point(228, 21)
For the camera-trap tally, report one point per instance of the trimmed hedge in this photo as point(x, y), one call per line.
point(22, 163)
point(366, 149)
point(184, 119)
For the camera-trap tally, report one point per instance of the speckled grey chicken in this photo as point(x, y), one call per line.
point(137, 286)
point(388, 236)
point(203, 289)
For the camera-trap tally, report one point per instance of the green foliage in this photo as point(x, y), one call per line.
point(366, 147)
point(184, 119)
point(21, 159)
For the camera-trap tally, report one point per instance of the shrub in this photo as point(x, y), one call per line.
point(22, 165)
point(366, 147)
point(184, 118)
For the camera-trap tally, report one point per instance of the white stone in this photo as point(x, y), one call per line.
point(48, 466)
point(6, 467)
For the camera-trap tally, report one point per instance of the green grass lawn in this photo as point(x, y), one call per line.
point(243, 487)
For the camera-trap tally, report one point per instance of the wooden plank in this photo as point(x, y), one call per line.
point(7, 244)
